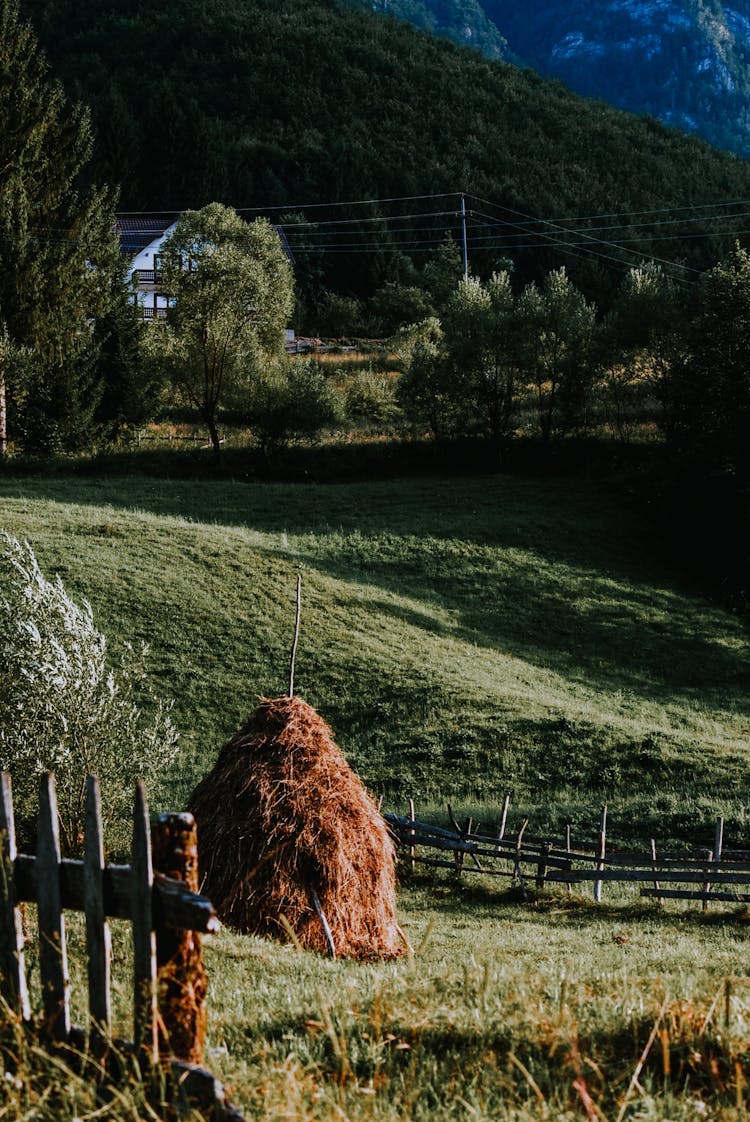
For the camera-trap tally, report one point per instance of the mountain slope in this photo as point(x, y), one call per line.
point(463, 21)
point(684, 61)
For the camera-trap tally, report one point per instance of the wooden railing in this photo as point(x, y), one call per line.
point(707, 875)
point(153, 313)
point(166, 914)
point(147, 276)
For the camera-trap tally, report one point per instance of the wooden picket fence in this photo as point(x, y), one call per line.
point(166, 914)
point(706, 875)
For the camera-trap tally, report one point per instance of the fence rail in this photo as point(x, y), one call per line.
point(703, 874)
point(167, 916)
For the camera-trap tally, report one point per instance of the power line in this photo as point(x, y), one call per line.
point(303, 206)
point(630, 213)
point(587, 238)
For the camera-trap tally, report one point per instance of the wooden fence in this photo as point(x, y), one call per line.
point(166, 913)
point(704, 875)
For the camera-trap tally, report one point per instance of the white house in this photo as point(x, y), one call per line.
point(141, 239)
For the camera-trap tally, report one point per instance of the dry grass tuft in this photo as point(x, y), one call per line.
point(281, 819)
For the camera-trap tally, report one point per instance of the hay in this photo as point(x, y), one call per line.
point(281, 819)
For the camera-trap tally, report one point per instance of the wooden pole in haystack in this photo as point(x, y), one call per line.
point(296, 635)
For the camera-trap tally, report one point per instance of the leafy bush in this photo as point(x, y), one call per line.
point(63, 708)
point(291, 400)
point(371, 398)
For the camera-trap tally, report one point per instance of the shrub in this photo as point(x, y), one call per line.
point(291, 400)
point(63, 708)
point(371, 398)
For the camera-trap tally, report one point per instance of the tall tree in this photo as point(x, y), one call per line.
point(558, 325)
point(232, 293)
point(57, 243)
point(707, 389)
point(480, 324)
point(637, 342)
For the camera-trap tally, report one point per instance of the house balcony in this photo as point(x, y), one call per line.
point(154, 313)
point(146, 276)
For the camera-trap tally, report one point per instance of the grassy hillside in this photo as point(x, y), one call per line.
point(464, 637)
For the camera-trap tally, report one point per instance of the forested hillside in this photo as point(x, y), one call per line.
point(684, 61)
point(289, 102)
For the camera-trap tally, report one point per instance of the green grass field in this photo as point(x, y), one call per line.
point(464, 637)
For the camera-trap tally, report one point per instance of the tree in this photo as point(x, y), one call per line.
point(425, 390)
point(442, 273)
point(481, 331)
point(636, 343)
point(557, 325)
point(57, 244)
point(64, 707)
point(706, 391)
point(131, 385)
point(13, 362)
point(232, 292)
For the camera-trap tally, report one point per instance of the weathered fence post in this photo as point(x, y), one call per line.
point(653, 862)
point(412, 834)
point(517, 873)
point(541, 869)
point(98, 939)
point(503, 818)
point(145, 1034)
point(12, 969)
point(53, 955)
point(600, 854)
point(181, 981)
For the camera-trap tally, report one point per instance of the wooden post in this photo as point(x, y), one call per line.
point(707, 883)
point(98, 939)
point(182, 982)
point(653, 862)
point(716, 855)
point(503, 818)
point(295, 641)
point(53, 958)
point(458, 857)
point(144, 942)
point(541, 869)
point(568, 849)
point(517, 874)
point(13, 986)
point(412, 853)
point(601, 853)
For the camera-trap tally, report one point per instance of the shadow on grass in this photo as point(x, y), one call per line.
point(456, 900)
point(547, 571)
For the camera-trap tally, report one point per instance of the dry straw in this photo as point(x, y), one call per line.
point(286, 830)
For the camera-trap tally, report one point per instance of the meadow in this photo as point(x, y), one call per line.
point(464, 637)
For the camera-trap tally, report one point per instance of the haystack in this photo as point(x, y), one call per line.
point(286, 830)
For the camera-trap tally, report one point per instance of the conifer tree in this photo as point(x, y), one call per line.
point(57, 245)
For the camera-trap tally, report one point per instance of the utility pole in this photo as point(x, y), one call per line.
point(464, 244)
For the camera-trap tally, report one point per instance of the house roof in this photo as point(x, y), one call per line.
point(137, 232)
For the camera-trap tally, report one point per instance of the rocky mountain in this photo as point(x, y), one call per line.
point(464, 21)
point(686, 62)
